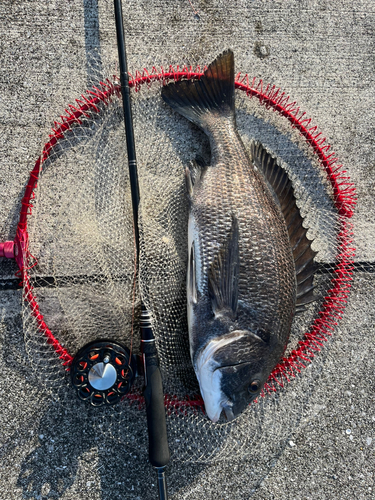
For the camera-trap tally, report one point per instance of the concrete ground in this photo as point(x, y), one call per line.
point(322, 54)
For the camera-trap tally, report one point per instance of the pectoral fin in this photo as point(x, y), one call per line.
point(223, 275)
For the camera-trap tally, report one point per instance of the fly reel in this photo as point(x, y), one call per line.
point(102, 372)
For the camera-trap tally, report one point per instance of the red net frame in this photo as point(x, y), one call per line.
point(272, 98)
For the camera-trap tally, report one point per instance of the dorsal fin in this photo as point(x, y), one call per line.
point(283, 191)
point(223, 275)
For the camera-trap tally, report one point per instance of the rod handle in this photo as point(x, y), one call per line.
point(155, 411)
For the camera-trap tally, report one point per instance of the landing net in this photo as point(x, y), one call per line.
point(76, 253)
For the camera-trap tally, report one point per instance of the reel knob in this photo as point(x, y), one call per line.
point(102, 372)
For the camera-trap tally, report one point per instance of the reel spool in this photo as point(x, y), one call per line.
point(102, 372)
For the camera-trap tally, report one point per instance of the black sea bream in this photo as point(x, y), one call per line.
point(247, 270)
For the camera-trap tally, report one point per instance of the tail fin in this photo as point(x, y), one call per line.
point(212, 93)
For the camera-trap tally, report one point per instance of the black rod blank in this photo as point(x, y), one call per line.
point(154, 398)
point(129, 131)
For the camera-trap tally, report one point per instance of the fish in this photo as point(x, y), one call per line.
point(250, 264)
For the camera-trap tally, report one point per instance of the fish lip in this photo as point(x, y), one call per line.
point(232, 364)
point(227, 408)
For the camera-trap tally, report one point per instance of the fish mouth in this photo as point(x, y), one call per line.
point(234, 409)
point(229, 365)
point(228, 410)
point(209, 375)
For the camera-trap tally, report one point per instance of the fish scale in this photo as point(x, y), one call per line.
point(261, 253)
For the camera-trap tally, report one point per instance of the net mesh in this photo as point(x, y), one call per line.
point(77, 244)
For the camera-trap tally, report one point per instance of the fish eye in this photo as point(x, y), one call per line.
point(254, 386)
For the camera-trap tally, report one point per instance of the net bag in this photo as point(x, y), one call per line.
point(75, 249)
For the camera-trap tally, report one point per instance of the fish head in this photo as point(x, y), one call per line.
point(232, 370)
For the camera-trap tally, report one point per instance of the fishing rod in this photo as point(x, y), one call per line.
point(156, 423)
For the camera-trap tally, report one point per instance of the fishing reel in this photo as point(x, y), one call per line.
point(102, 372)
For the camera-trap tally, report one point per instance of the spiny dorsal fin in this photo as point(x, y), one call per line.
point(212, 93)
point(283, 191)
point(223, 276)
